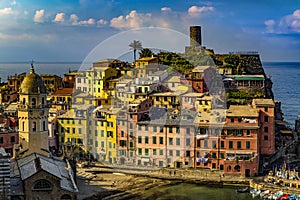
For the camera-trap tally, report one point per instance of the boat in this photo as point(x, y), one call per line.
point(256, 193)
point(292, 197)
point(264, 193)
point(241, 190)
point(284, 197)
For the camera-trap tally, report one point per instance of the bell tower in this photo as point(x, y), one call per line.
point(33, 116)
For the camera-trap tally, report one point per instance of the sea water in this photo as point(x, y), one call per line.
point(186, 191)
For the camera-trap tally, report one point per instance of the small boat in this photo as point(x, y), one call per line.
point(264, 193)
point(292, 197)
point(256, 193)
point(241, 190)
point(284, 197)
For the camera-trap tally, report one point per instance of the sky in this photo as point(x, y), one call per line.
point(69, 30)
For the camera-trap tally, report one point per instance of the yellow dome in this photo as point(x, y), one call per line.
point(32, 84)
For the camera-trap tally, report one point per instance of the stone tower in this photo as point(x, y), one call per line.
point(33, 116)
point(195, 36)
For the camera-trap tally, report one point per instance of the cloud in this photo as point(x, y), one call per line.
point(39, 16)
point(166, 9)
point(286, 25)
point(132, 20)
point(270, 25)
point(6, 11)
point(13, 2)
point(74, 19)
point(90, 21)
point(59, 17)
point(101, 22)
point(195, 11)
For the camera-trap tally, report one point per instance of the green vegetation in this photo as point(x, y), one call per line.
point(146, 52)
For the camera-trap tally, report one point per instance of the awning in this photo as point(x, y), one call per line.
point(239, 152)
point(145, 159)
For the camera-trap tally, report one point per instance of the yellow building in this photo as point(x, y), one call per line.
point(97, 78)
point(146, 65)
point(62, 98)
point(73, 126)
point(103, 135)
point(33, 116)
point(167, 99)
point(203, 103)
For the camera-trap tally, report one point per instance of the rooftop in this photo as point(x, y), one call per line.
point(64, 91)
point(27, 166)
point(264, 102)
point(242, 111)
point(200, 68)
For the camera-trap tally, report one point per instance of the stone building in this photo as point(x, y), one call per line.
point(35, 173)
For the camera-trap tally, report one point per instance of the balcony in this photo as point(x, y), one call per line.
point(26, 106)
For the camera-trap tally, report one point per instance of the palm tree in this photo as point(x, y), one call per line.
point(146, 52)
point(135, 45)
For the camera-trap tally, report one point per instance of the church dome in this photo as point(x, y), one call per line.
point(32, 84)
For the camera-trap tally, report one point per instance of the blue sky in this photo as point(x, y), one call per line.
point(68, 30)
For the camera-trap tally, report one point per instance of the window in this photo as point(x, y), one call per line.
point(266, 119)
point(146, 128)
point(161, 152)
point(154, 129)
point(232, 120)
point(146, 152)
point(96, 143)
point(170, 129)
point(140, 127)
point(266, 109)
point(154, 151)
point(34, 126)
point(153, 140)
point(146, 140)
point(188, 153)
point(222, 145)
point(73, 130)
point(214, 155)
point(177, 130)
point(230, 144)
point(248, 132)
point(23, 126)
point(140, 151)
point(161, 140)
point(178, 141)
point(239, 144)
point(188, 131)
point(187, 142)
point(239, 119)
point(161, 129)
point(198, 143)
point(222, 155)
point(177, 153)
point(44, 125)
point(170, 141)
point(140, 139)
point(12, 139)
point(266, 137)
point(66, 197)
point(247, 144)
point(42, 185)
point(205, 144)
point(122, 133)
point(266, 129)
point(171, 152)
point(213, 143)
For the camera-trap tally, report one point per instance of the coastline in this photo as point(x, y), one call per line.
point(113, 183)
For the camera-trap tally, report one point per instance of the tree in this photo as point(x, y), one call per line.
point(146, 52)
point(135, 45)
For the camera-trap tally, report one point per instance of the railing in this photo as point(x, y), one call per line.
point(26, 106)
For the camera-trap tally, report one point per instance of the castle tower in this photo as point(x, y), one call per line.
point(195, 36)
point(33, 116)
